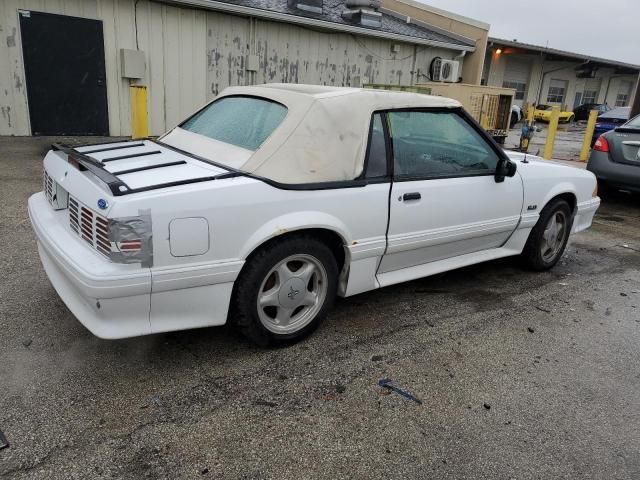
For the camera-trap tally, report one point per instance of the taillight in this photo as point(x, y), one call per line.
point(129, 245)
point(132, 237)
point(601, 145)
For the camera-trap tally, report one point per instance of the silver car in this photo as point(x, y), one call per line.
point(615, 158)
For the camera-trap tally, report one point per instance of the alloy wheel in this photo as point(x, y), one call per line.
point(292, 294)
point(553, 236)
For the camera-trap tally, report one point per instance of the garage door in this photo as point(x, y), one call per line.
point(516, 76)
point(557, 91)
point(624, 94)
point(591, 90)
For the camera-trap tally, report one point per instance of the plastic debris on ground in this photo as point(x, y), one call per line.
point(386, 383)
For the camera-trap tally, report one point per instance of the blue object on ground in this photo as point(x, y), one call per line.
point(386, 383)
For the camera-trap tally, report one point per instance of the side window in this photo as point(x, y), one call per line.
point(438, 144)
point(377, 150)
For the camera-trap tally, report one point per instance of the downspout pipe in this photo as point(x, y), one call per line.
point(463, 53)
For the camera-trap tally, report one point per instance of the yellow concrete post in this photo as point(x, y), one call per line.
point(530, 112)
point(139, 113)
point(551, 133)
point(588, 136)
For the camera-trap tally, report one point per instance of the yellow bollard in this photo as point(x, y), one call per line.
point(139, 114)
point(484, 121)
point(588, 136)
point(530, 111)
point(551, 133)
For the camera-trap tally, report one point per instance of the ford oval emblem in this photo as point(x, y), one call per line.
point(102, 204)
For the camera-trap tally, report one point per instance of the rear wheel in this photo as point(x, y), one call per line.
point(549, 236)
point(285, 290)
point(604, 190)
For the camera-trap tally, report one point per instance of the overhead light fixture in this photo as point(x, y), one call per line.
point(498, 51)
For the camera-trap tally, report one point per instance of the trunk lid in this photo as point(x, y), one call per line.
point(86, 183)
point(624, 146)
point(134, 166)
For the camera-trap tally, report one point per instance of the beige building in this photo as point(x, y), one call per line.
point(66, 66)
point(450, 22)
point(550, 76)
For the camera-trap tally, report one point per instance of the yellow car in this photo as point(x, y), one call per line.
point(543, 113)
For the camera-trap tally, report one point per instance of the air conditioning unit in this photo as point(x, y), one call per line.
point(445, 70)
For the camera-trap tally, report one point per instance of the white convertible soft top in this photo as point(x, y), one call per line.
point(323, 137)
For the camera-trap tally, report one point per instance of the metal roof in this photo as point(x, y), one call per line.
point(563, 53)
point(393, 27)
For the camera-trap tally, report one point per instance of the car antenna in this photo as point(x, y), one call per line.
point(524, 160)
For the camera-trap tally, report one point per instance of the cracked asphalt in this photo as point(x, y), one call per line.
point(521, 375)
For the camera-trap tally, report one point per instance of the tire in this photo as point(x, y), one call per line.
point(544, 247)
point(604, 190)
point(513, 120)
point(272, 298)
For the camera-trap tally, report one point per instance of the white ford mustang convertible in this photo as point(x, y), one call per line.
point(271, 200)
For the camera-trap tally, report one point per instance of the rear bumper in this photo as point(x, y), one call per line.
point(584, 214)
point(118, 301)
point(110, 300)
point(618, 175)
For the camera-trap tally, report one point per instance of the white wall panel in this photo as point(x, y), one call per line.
point(173, 39)
point(191, 55)
point(292, 54)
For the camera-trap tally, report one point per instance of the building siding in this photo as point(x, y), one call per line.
point(610, 83)
point(192, 55)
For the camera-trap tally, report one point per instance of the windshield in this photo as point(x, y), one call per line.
point(245, 122)
point(633, 123)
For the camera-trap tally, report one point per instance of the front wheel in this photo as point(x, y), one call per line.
point(549, 236)
point(285, 290)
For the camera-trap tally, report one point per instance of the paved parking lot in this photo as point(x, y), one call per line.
point(567, 145)
point(520, 375)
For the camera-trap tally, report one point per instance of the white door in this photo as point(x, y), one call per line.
point(445, 200)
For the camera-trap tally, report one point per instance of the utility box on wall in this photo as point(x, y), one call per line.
point(132, 63)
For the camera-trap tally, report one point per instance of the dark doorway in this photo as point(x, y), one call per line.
point(65, 74)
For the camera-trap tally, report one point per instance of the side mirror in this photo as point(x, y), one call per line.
point(505, 169)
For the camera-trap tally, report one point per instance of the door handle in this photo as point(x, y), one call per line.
point(411, 196)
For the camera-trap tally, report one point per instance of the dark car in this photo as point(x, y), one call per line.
point(582, 112)
point(615, 158)
point(610, 120)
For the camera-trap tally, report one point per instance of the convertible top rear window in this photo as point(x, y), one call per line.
point(241, 121)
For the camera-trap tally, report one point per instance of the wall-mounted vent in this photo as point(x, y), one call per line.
point(314, 6)
point(363, 12)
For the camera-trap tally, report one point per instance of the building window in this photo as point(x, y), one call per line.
point(519, 87)
point(556, 94)
point(622, 99)
point(590, 96)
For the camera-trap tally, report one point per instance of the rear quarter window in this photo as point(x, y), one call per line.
point(634, 123)
point(245, 122)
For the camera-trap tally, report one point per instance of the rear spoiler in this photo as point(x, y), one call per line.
point(627, 130)
point(116, 185)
